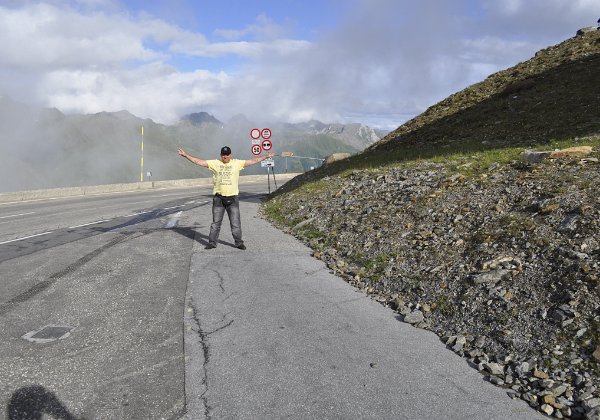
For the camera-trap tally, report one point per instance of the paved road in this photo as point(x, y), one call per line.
point(118, 282)
point(155, 326)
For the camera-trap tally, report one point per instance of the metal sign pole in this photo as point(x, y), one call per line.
point(269, 179)
point(273, 171)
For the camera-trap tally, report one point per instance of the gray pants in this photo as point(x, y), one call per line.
point(233, 211)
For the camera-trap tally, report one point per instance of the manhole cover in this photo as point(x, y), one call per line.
point(48, 334)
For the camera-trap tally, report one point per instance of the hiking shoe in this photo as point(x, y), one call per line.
point(241, 246)
point(210, 246)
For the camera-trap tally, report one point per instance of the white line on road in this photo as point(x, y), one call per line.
point(137, 214)
point(171, 223)
point(25, 237)
point(88, 224)
point(198, 202)
point(17, 215)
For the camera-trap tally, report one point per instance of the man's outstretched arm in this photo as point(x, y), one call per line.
point(258, 159)
point(197, 161)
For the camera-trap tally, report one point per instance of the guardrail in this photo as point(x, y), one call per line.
point(32, 195)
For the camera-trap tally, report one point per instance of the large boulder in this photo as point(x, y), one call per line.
point(573, 152)
point(335, 157)
point(585, 30)
point(570, 152)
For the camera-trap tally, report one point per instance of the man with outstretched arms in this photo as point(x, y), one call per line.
point(226, 172)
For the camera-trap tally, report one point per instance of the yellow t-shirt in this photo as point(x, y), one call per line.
point(225, 176)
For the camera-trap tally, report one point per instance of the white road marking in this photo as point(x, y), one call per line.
point(17, 215)
point(137, 214)
point(172, 222)
point(25, 237)
point(88, 224)
point(197, 202)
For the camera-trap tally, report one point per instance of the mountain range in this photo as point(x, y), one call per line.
point(45, 148)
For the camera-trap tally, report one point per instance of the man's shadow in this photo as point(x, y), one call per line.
point(35, 403)
point(199, 237)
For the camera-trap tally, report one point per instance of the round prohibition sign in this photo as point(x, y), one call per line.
point(255, 133)
point(267, 145)
point(256, 149)
point(265, 133)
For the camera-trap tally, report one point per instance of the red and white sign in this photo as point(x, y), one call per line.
point(256, 149)
point(267, 145)
point(265, 133)
point(255, 133)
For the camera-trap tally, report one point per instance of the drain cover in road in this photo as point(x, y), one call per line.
point(48, 334)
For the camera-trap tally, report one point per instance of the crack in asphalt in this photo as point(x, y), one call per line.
point(229, 296)
point(206, 353)
point(220, 328)
point(204, 335)
point(221, 280)
point(310, 273)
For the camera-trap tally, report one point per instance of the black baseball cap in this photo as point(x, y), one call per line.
point(225, 150)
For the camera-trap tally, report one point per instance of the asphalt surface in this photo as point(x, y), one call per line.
point(117, 283)
point(152, 325)
point(271, 334)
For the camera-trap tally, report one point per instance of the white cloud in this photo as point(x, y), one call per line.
point(48, 37)
point(387, 60)
point(400, 57)
point(256, 50)
point(495, 51)
point(552, 7)
point(82, 62)
point(153, 91)
point(540, 20)
point(263, 29)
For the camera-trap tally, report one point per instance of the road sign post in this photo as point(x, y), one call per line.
point(287, 155)
point(258, 146)
point(270, 165)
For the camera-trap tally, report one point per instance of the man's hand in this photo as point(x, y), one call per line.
point(270, 155)
point(197, 161)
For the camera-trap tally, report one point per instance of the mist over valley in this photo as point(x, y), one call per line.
point(45, 148)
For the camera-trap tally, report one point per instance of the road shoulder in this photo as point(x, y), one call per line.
point(271, 333)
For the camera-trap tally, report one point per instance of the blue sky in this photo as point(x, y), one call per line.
point(378, 62)
point(248, 21)
point(306, 18)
